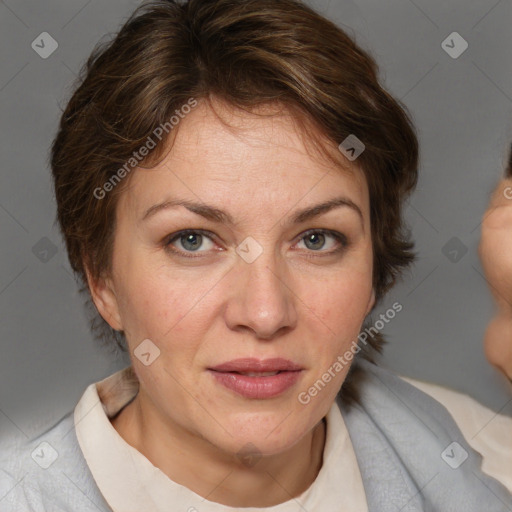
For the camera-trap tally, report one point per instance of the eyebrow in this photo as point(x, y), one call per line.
point(216, 215)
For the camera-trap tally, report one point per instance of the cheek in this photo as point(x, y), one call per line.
point(341, 302)
point(162, 306)
point(150, 304)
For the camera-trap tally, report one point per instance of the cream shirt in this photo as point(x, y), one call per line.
point(131, 483)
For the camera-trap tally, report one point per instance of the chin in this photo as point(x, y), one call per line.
point(267, 435)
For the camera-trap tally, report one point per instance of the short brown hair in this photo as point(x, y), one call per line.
point(248, 53)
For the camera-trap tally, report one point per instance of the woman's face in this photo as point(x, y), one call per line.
point(275, 271)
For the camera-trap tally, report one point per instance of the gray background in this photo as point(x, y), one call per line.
point(463, 112)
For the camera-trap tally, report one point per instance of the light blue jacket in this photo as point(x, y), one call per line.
point(411, 454)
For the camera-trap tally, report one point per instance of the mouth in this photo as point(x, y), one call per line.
point(257, 379)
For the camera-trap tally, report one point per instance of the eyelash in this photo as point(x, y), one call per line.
point(339, 237)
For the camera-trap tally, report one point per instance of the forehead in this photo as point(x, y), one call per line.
point(220, 152)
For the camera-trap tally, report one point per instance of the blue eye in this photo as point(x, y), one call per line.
point(316, 240)
point(186, 243)
point(190, 241)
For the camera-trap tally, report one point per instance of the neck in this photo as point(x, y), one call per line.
point(213, 474)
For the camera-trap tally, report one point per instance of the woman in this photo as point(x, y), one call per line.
point(229, 178)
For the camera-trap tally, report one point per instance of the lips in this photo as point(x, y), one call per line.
point(251, 365)
point(257, 379)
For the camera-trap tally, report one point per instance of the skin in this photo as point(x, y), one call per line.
point(305, 303)
point(495, 251)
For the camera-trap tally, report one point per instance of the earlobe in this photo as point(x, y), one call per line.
point(105, 300)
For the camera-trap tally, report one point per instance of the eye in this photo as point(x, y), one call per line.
point(325, 241)
point(190, 241)
point(187, 242)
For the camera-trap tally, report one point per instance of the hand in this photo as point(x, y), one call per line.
point(495, 252)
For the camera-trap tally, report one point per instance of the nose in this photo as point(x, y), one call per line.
point(261, 301)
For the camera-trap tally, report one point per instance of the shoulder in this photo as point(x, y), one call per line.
point(397, 410)
point(488, 432)
point(403, 434)
point(47, 472)
point(383, 393)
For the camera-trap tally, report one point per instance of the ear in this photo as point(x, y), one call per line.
point(104, 298)
point(371, 302)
